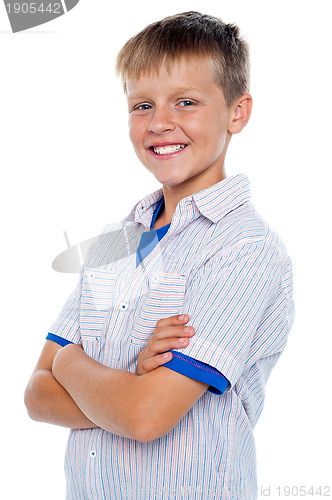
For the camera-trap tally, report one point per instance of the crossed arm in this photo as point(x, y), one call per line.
point(71, 389)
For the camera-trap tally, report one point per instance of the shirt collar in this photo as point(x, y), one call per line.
point(217, 200)
point(213, 202)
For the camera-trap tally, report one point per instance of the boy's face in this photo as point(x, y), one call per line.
point(179, 125)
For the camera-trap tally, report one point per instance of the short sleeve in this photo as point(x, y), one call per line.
point(197, 370)
point(238, 309)
point(67, 325)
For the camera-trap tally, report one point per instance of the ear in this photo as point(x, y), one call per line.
point(240, 113)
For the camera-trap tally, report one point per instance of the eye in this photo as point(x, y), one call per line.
point(186, 103)
point(143, 107)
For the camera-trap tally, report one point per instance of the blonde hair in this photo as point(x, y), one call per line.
point(190, 34)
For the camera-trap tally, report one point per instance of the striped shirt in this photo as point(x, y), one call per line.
point(221, 264)
point(180, 363)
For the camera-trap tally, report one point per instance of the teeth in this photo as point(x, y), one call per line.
point(166, 150)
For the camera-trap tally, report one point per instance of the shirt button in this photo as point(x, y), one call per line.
point(155, 278)
point(91, 275)
point(124, 306)
point(93, 453)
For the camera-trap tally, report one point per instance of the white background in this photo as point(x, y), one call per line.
point(67, 164)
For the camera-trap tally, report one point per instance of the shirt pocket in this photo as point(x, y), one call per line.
point(96, 300)
point(164, 298)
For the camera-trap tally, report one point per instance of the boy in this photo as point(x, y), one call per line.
point(185, 429)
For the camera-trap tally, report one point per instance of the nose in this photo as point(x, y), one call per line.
point(161, 121)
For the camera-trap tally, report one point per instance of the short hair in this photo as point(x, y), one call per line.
point(190, 34)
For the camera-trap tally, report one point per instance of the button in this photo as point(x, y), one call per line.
point(93, 453)
point(155, 278)
point(124, 306)
point(91, 275)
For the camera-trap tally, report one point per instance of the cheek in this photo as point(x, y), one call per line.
point(220, 134)
point(135, 132)
point(132, 131)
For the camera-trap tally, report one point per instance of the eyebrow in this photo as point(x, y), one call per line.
point(175, 91)
point(188, 89)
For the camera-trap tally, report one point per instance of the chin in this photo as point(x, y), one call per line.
point(170, 180)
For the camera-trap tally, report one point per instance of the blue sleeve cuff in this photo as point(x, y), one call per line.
point(58, 340)
point(197, 370)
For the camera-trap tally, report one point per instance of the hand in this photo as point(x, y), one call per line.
point(170, 333)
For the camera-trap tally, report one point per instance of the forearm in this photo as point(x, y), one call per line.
point(143, 407)
point(47, 401)
point(106, 396)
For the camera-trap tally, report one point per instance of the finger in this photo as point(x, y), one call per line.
point(168, 332)
point(152, 363)
point(179, 319)
point(159, 346)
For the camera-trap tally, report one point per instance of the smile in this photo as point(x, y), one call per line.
point(167, 150)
